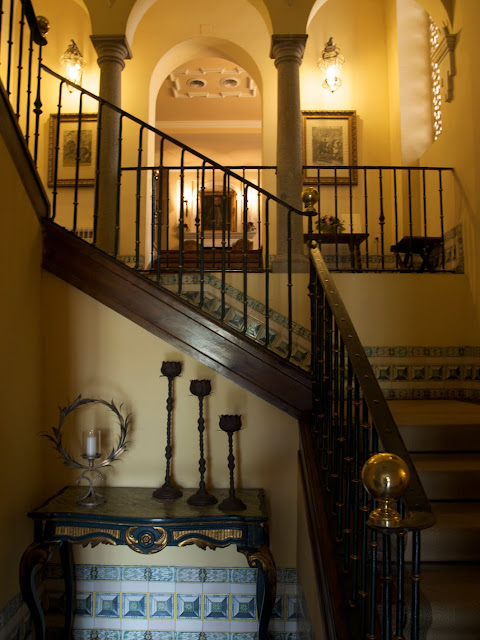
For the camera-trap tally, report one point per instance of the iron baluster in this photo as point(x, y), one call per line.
point(416, 548)
point(440, 195)
point(267, 271)
point(181, 225)
point(327, 394)
point(56, 154)
point(167, 220)
point(38, 106)
point(77, 163)
point(10, 47)
point(335, 428)
point(400, 589)
point(138, 196)
point(410, 214)
point(202, 240)
point(341, 442)
point(372, 595)
point(336, 214)
point(386, 587)
point(347, 531)
point(365, 210)
point(259, 223)
point(96, 194)
point(395, 204)
point(224, 222)
point(153, 216)
point(20, 61)
point(289, 282)
point(381, 218)
point(355, 557)
point(29, 90)
point(244, 256)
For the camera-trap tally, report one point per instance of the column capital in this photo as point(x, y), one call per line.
point(111, 48)
point(288, 47)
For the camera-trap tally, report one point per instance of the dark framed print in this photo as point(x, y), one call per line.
point(329, 143)
point(72, 141)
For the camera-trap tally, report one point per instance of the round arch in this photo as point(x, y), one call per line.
point(440, 10)
point(200, 47)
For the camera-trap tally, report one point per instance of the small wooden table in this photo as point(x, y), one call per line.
point(423, 246)
point(353, 240)
point(132, 517)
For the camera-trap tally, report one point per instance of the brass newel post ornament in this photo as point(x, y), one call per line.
point(201, 498)
point(385, 477)
point(168, 492)
point(230, 424)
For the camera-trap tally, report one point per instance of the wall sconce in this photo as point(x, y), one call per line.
point(331, 63)
point(74, 63)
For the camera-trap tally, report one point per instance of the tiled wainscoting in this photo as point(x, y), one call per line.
point(160, 603)
point(410, 373)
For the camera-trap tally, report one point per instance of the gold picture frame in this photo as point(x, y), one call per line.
point(329, 140)
point(66, 159)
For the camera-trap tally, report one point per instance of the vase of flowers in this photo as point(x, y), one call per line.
point(330, 224)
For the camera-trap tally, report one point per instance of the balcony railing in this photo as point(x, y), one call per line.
point(145, 214)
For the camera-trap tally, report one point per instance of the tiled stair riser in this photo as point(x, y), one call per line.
point(160, 603)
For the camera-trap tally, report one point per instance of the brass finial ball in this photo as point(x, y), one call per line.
point(385, 476)
point(43, 25)
point(310, 197)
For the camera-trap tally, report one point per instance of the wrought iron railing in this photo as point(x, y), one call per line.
point(393, 218)
point(351, 422)
point(351, 419)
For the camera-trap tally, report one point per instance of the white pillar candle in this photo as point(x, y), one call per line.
point(91, 444)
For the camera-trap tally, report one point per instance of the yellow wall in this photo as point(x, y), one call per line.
point(95, 352)
point(20, 378)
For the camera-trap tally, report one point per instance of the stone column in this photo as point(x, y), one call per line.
point(112, 52)
point(287, 51)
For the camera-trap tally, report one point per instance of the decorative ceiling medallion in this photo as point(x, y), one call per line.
point(222, 83)
point(196, 83)
point(229, 83)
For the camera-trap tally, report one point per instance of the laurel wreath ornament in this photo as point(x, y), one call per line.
point(91, 498)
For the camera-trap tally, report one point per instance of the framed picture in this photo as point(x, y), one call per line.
point(67, 149)
point(329, 140)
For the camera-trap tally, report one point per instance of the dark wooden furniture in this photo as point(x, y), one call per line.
point(352, 240)
point(132, 517)
point(427, 247)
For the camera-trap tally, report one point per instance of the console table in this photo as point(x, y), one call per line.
point(352, 240)
point(132, 517)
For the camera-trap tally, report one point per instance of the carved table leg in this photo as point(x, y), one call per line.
point(261, 558)
point(36, 553)
point(66, 558)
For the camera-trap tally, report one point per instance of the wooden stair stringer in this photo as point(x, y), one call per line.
point(165, 315)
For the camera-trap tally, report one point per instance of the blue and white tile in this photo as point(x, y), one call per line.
point(243, 607)
point(161, 605)
point(239, 576)
point(291, 607)
point(188, 574)
point(215, 607)
point(107, 605)
point(134, 605)
point(83, 604)
point(188, 606)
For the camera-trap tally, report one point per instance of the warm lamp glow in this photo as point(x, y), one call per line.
point(331, 63)
point(74, 63)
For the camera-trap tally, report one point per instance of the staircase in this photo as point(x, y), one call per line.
point(443, 437)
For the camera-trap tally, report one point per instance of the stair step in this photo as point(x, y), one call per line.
point(438, 425)
point(454, 538)
point(449, 477)
point(450, 602)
